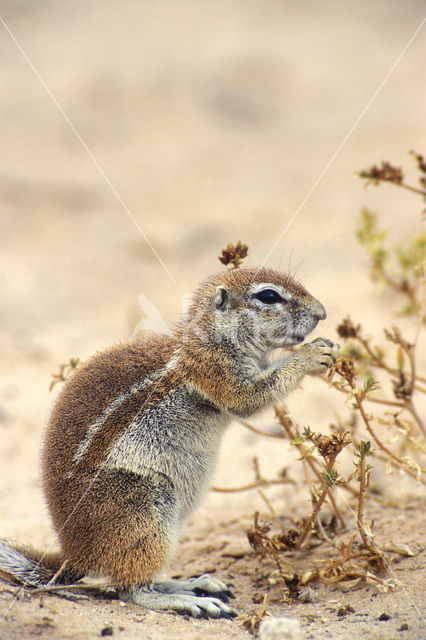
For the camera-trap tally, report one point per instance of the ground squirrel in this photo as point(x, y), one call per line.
point(133, 437)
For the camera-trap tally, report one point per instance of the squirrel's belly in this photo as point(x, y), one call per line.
point(180, 438)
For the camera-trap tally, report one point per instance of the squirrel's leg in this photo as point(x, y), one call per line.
point(121, 525)
point(257, 388)
point(126, 525)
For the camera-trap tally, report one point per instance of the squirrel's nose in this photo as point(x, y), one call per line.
point(318, 310)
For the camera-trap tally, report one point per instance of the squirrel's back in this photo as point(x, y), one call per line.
point(97, 387)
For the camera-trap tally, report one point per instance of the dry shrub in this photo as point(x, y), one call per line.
point(384, 432)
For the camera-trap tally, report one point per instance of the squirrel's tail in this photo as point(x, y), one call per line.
point(32, 568)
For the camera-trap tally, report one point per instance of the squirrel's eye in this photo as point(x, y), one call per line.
point(268, 296)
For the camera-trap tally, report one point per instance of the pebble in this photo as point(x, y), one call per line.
point(280, 629)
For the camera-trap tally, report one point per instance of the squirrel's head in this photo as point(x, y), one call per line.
point(256, 309)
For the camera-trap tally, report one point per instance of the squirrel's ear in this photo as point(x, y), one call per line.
point(221, 300)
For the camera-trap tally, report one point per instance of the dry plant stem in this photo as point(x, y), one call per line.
point(412, 361)
point(257, 473)
point(311, 491)
point(71, 587)
point(312, 462)
point(390, 403)
point(251, 622)
point(277, 561)
point(407, 470)
point(60, 587)
point(409, 187)
point(379, 443)
point(272, 550)
point(352, 572)
point(378, 360)
point(252, 485)
point(319, 523)
point(266, 501)
point(307, 477)
point(57, 575)
point(323, 533)
point(349, 489)
point(260, 432)
point(13, 590)
point(397, 286)
point(366, 538)
point(259, 481)
point(336, 510)
point(411, 408)
point(263, 607)
point(318, 504)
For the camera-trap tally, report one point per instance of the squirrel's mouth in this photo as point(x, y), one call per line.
point(292, 341)
point(286, 341)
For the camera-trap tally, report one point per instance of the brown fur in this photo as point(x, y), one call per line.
point(114, 547)
point(123, 536)
point(91, 388)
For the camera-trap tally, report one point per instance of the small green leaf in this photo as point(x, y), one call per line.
point(353, 351)
point(365, 449)
point(369, 383)
point(400, 358)
point(330, 478)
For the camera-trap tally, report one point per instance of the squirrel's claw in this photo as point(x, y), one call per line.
point(206, 585)
point(224, 595)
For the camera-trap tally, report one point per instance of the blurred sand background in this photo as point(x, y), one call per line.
point(190, 125)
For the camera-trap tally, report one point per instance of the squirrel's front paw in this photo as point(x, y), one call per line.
point(319, 355)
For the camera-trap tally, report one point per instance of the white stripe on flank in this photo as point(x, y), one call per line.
point(139, 386)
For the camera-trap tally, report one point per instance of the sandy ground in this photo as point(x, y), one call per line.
point(201, 123)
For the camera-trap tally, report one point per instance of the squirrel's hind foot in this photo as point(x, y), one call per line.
point(193, 597)
point(205, 585)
